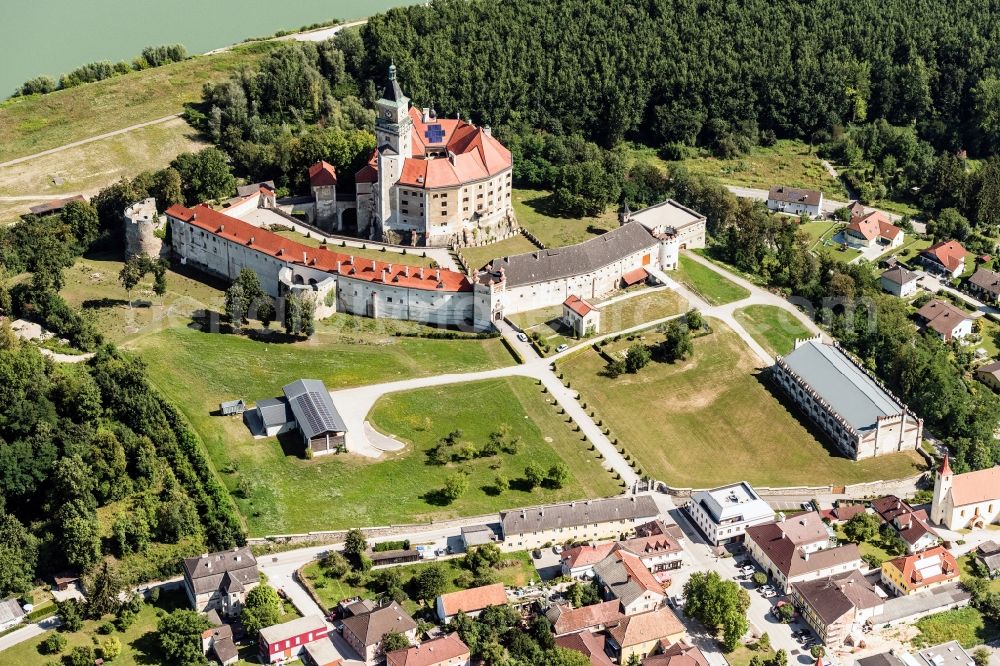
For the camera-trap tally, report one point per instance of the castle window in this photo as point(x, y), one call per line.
point(479, 196)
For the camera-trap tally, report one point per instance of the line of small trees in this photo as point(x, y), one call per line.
point(151, 56)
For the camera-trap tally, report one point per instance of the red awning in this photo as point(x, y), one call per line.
point(635, 277)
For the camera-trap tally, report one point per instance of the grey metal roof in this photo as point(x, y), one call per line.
point(899, 275)
point(794, 195)
point(296, 627)
point(843, 385)
point(274, 411)
point(541, 518)
point(10, 610)
point(313, 408)
point(228, 567)
point(563, 262)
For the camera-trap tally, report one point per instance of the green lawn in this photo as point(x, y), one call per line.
point(534, 212)
point(822, 233)
point(708, 284)
point(866, 547)
point(965, 625)
point(32, 124)
point(789, 163)
point(516, 570)
point(477, 257)
point(412, 257)
point(774, 328)
point(713, 420)
point(964, 563)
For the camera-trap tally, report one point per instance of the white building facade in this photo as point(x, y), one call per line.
point(723, 514)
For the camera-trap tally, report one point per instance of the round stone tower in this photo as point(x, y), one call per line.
point(143, 230)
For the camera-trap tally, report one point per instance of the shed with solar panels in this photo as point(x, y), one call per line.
point(307, 409)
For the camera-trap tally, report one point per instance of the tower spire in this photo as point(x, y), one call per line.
point(392, 70)
point(945, 466)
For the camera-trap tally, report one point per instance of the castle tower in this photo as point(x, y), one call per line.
point(323, 183)
point(942, 488)
point(144, 230)
point(393, 136)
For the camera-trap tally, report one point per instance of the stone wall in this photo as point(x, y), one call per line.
point(141, 228)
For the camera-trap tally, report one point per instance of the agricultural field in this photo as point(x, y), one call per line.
point(774, 328)
point(714, 419)
point(787, 162)
point(708, 284)
point(516, 570)
point(534, 212)
point(39, 122)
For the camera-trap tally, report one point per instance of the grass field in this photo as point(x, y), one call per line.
point(413, 258)
point(775, 329)
point(32, 124)
point(965, 625)
point(517, 570)
point(477, 257)
point(789, 163)
point(822, 233)
point(89, 167)
point(866, 547)
point(534, 213)
point(287, 493)
point(708, 284)
point(712, 420)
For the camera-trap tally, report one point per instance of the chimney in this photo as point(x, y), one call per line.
point(222, 228)
point(426, 114)
point(252, 239)
point(437, 274)
point(389, 268)
point(805, 556)
point(305, 259)
point(338, 265)
point(488, 130)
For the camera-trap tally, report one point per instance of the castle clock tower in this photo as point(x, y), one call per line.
point(393, 126)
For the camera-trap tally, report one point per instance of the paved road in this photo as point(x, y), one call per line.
point(28, 632)
point(81, 142)
point(829, 205)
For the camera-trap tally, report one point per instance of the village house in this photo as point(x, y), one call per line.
point(985, 285)
point(220, 581)
point(218, 641)
point(795, 201)
point(723, 514)
point(54, 206)
point(922, 571)
point(989, 374)
point(798, 549)
point(873, 229)
point(525, 529)
point(853, 408)
point(678, 654)
point(581, 317)
point(909, 523)
point(658, 552)
point(287, 641)
point(838, 607)
point(988, 555)
point(592, 645)
point(899, 281)
point(365, 632)
point(945, 258)
point(945, 320)
point(472, 601)
point(11, 613)
point(642, 634)
point(306, 409)
point(448, 650)
point(568, 620)
point(623, 577)
point(966, 501)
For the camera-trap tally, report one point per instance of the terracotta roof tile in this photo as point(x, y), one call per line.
point(429, 653)
point(474, 599)
point(644, 627)
point(979, 486)
point(947, 253)
point(321, 174)
point(578, 305)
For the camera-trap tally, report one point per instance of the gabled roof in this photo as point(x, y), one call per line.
point(794, 195)
point(910, 523)
point(790, 557)
point(591, 645)
point(313, 408)
point(644, 627)
point(229, 228)
point(873, 225)
point(656, 544)
point(579, 259)
point(832, 597)
point(899, 275)
point(986, 280)
point(228, 567)
point(566, 619)
point(429, 653)
point(322, 174)
point(941, 316)
point(626, 577)
point(54, 205)
point(292, 628)
point(274, 411)
point(989, 369)
point(678, 654)
point(474, 599)
point(947, 253)
point(571, 514)
point(931, 566)
point(371, 627)
point(972, 487)
point(585, 555)
point(578, 305)
point(10, 610)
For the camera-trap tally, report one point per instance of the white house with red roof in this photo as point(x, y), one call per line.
point(872, 229)
point(946, 258)
point(580, 316)
point(969, 500)
point(433, 181)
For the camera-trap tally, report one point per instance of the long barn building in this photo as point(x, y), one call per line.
point(850, 405)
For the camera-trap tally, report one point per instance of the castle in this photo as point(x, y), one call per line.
point(433, 181)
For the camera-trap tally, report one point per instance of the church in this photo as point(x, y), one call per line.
point(433, 181)
point(970, 500)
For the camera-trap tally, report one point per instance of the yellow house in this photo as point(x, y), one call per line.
point(914, 573)
point(641, 634)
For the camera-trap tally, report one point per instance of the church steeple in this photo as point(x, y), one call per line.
point(941, 508)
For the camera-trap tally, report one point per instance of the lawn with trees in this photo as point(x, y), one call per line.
point(774, 328)
point(707, 283)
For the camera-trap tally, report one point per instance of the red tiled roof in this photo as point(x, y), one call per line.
point(589, 644)
point(874, 225)
point(566, 620)
point(645, 627)
point(581, 556)
point(322, 173)
point(635, 276)
point(678, 654)
point(931, 566)
point(293, 252)
point(474, 599)
point(947, 253)
point(973, 487)
point(430, 653)
point(578, 305)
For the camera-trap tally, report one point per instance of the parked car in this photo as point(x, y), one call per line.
point(563, 347)
point(767, 594)
point(522, 337)
point(557, 549)
point(807, 506)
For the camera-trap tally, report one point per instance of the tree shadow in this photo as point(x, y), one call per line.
point(435, 498)
point(146, 649)
point(491, 491)
point(521, 484)
point(100, 303)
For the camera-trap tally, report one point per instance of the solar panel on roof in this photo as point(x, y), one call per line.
point(434, 133)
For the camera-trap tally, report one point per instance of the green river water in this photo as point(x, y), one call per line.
point(55, 36)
